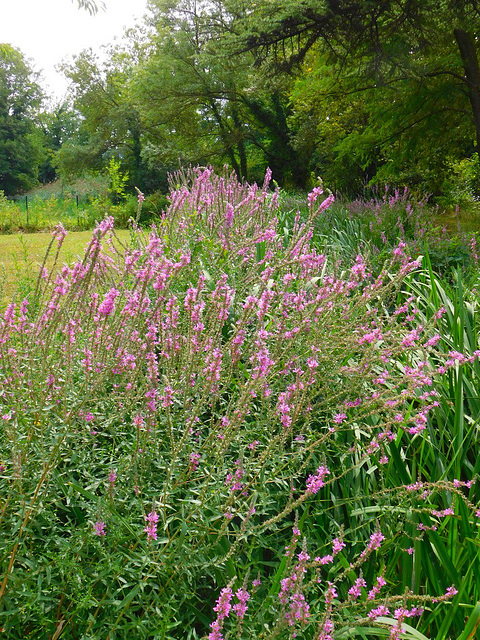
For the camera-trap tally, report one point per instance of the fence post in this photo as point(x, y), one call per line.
point(26, 207)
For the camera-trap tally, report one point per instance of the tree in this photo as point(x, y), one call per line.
point(110, 123)
point(414, 61)
point(172, 95)
point(60, 125)
point(20, 139)
point(199, 104)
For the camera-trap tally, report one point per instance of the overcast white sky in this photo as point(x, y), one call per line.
point(47, 31)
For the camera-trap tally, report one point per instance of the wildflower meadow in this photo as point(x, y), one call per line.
point(237, 426)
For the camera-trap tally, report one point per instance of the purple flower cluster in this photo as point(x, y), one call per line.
point(223, 608)
point(99, 528)
point(151, 528)
point(316, 481)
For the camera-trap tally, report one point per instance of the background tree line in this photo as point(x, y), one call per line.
point(358, 92)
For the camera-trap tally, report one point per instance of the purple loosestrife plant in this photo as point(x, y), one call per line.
point(240, 379)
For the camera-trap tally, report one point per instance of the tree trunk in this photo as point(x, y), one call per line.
point(242, 152)
point(468, 52)
point(224, 135)
point(136, 152)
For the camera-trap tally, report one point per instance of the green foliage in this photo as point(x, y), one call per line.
point(448, 254)
point(44, 214)
point(20, 141)
point(110, 121)
point(154, 206)
point(117, 179)
point(199, 381)
point(10, 216)
point(403, 130)
point(60, 126)
point(229, 112)
point(463, 181)
point(357, 95)
point(350, 93)
point(384, 88)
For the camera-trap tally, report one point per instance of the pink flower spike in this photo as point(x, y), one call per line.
point(451, 592)
point(356, 590)
point(376, 540)
point(151, 528)
point(194, 461)
point(223, 606)
point(382, 610)
point(241, 607)
point(99, 527)
point(326, 630)
point(337, 545)
point(216, 632)
point(315, 482)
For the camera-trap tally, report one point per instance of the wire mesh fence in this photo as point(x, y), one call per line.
point(30, 209)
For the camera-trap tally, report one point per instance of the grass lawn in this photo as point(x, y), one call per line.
point(21, 256)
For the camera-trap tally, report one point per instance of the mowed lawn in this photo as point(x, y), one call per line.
point(22, 254)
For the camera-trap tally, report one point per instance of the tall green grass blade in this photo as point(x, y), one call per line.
point(473, 622)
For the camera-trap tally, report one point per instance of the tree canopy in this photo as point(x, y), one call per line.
point(211, 105)
point(20, 145)
point(356, 91)
point(409, 69)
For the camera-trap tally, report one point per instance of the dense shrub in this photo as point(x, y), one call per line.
point(217, 431)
